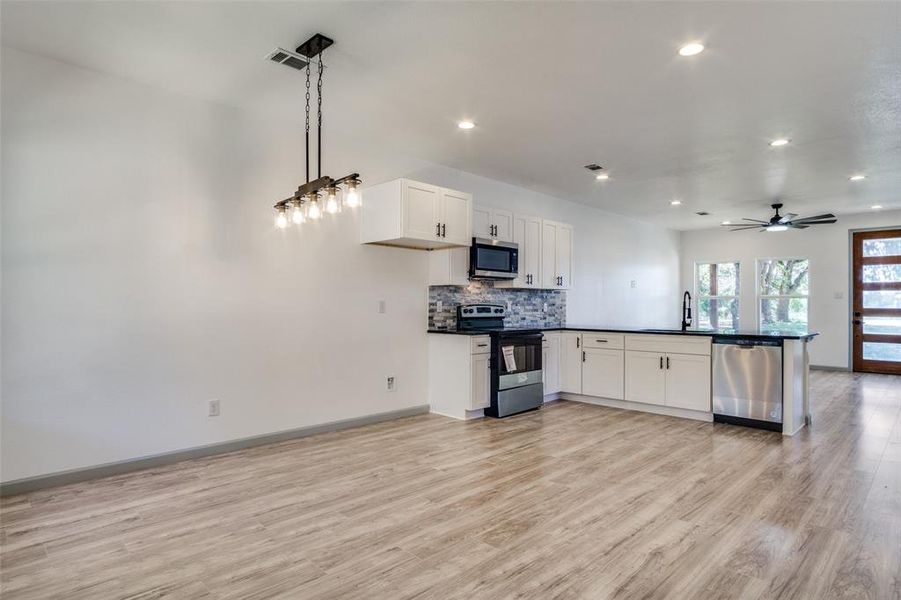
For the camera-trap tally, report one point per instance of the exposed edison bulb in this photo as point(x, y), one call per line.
point(281, 218)
point(297, 214)
point(314, 212)
point(352, 196)
point(331, 200)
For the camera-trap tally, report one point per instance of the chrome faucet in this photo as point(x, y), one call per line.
point(686, 310)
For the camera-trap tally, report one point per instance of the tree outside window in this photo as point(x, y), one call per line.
point(718, 291)
point(784, 286)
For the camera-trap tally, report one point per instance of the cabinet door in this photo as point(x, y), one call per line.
point(549, 255)
point(550, 364)
point(481, 382)
point(687, 381)
point(571, 363)
point(481, 222)
point(602, 373)
point(449, 266)
point(420, 210)
point(565, 255)
point(503, 225)
point(645, 379)
point(456, 217)
point(530, 252)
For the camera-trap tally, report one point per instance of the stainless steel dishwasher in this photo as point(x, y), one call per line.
point(747, 382)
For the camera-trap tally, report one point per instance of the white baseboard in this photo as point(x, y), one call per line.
point(668, 411)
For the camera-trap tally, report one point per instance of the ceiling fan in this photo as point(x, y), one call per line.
point(782, 222)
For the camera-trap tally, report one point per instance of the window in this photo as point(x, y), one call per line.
point(783, 285)
point(718, 291)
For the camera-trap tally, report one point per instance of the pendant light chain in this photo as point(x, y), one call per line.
point(319, 116)
point(308, 123)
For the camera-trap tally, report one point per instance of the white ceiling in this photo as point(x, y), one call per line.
point(552, 87)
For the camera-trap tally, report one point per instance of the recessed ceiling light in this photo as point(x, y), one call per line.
point(602, 177)
point(466, 124)
point(876, 206)
point(780, 142)
point(675, 202)
point(691, 49)
point(726, 223)
point(857, 177)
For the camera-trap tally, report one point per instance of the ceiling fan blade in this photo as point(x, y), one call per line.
point(815, 222)
point(787, 217)
point(745, 227)
point(754, 220)
point(816, 218)
point(796, 226)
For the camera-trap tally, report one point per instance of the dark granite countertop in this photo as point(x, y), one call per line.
point(728, 333)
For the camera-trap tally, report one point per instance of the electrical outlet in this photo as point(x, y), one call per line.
point(439, 305)
point(633, 283)
point(509, 305)
point(213, 408)
point(383, 307)
point(545, 307)
point(389, 383)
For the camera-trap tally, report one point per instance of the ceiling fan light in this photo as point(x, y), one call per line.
point(776, 228)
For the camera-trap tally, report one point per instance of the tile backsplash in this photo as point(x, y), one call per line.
point(527, 305)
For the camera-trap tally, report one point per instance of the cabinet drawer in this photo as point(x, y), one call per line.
point(669, 344)
point(600, 339)
point(481, 344)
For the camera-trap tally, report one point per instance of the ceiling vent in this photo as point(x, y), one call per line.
point(594, 167)
point(288, 58)
point(702, 213)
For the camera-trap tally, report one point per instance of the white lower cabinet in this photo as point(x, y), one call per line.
point(602, 373)
point(480, 396)
point(550, 363)
point(645, 377)
point(687, 381)
point(676, 380)
point(571, 362)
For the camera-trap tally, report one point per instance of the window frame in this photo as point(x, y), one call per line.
point(697, 289)
point(760, 297)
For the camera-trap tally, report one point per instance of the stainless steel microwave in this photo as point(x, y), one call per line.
point(493, 259)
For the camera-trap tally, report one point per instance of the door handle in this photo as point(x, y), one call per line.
point(661, 362)
point(444, 230)
point(583, 356)
point(667, 363)
point(438, 229)
point(577, 342)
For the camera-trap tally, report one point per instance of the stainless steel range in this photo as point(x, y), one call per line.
point(516, 381)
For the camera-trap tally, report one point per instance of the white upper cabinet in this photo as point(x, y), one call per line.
point(413, 214)
point(527, 234)
point(492, 224)
point(449, 266)
point(556, 255)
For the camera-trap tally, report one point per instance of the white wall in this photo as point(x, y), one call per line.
point(142, 275)
point(828, 249)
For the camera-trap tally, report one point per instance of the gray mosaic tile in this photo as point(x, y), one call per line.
point(527, 308)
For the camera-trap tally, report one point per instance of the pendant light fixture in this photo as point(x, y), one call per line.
point(307, 202)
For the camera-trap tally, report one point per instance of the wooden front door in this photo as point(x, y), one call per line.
point(877, 301)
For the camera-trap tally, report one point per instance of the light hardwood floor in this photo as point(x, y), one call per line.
point(574, 501)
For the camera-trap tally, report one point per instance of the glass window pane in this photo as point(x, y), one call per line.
point(718, 313)
point(881, 351)
point(882, 299)
point(704, 279)
point(784, 277)
point(886, 247)
point(727, 279)
point(786, 315)
point(882, 325)
point(881, 273)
